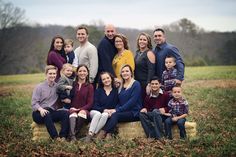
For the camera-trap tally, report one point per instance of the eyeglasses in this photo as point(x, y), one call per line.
point(119, 41)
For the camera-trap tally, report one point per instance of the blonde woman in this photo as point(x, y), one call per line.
point(144, 61)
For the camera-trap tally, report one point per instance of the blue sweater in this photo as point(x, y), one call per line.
point(103, 101)
point(106, 53)
point(130, 100)
point(164, 50)
point(70, 57)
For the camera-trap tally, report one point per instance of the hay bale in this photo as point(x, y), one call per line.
point(40, 131)
point(130, 130)
point(190, 127)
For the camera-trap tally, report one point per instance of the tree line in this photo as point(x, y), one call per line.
point(24, 48)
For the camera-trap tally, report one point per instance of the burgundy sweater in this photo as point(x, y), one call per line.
point(161, 101)
point(55, 58)
point(83, 97)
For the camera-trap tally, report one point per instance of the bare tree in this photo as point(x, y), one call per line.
point(10, 15)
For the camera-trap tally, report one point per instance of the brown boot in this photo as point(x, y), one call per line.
point(109, 136)
point(101, 134)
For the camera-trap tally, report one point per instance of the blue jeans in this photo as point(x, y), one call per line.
point(50, 118)
point(118, 117)
point(152, 123)
point(180, 123)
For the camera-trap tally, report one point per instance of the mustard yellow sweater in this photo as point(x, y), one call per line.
point(120, 60)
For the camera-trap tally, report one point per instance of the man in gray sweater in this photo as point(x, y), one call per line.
point(86, 52)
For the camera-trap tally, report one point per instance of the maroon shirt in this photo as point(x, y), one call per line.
point(83, 97)
point(161, 101)
point(54, 58)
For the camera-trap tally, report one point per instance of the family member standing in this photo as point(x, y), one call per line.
point(169, 75)
point(106, 50)
point(44, 105)
point(129, 103)
point(105, 97)
point(144, 61)
point(56, 55)
point(82, 101)
point(164, 49)
point(86, 52)
point(124, 55)
point(155, 109)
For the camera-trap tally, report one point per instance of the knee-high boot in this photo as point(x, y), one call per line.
point(79, 124)
point(72, 128)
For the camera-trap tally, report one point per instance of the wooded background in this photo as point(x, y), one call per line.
point(24, 48)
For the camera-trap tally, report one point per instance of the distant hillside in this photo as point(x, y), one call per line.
point(24, 49)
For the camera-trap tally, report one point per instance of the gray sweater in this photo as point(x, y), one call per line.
point(44, 96)
point(87, 54)
point(63, 82)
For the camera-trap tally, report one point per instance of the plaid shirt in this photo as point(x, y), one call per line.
point(168, 79)
point(178, 107)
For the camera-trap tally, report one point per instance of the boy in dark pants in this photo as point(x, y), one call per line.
point(153, 115)
point(178, 112)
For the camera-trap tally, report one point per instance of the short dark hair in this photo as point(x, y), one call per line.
point(169, 56)
point(159, 29)
point(83, 27)
point(177, 85)
point(155, 78)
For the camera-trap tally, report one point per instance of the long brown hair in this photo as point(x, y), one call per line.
point(87, 78)
point(101, 85)
point(62, 53)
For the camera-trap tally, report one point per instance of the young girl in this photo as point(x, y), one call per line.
point(81, 102)
point(64, 85)
point(106, 97)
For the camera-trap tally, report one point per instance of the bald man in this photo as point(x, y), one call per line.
point(106, 50)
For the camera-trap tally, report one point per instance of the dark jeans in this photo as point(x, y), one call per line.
point(50, 118)
point(180, 123)
point(118, 117)
point(152, 123)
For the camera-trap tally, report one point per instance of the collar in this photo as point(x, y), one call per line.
point(155, 96)
point(47, 83)
point(171, 69)
point(162, 45)
point(178, 100)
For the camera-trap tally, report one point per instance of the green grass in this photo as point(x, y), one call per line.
point(210, 73)
point(21, 79)
point(212, 107)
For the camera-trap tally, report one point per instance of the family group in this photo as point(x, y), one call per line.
point(108, 84)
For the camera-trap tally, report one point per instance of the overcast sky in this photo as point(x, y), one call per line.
point(212, 15)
